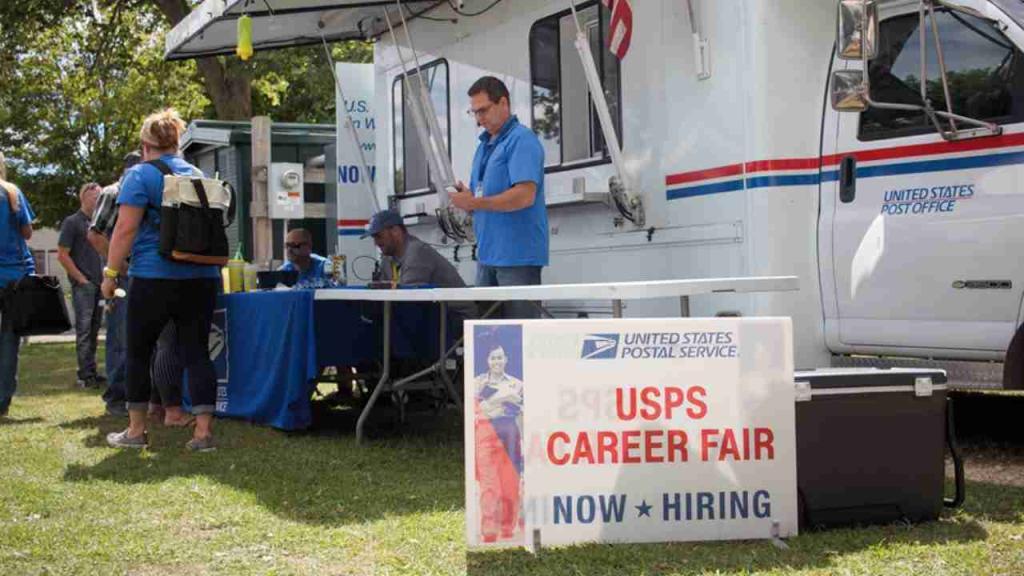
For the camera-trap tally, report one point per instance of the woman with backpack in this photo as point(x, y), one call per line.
point(15, 262)
point(163, 290)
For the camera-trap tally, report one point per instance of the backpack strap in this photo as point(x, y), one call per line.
point(161, 166)
point(197, 183)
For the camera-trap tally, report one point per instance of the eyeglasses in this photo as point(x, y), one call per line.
point(294, 245)
point(480, 111)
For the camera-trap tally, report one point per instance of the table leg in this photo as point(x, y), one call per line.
point(385, 375)
point(543, 311)
point(443, 360)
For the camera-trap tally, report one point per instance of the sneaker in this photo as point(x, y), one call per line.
point(122, 440)
point(87, 383)
point(116, 409)
point(101, 379)
point(201, 444)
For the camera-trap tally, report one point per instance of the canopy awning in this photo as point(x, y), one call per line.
point(211, 28)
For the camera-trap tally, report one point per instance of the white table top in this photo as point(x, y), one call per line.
point(598, 291)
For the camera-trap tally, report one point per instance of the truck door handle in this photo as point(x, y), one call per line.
point(847, 179)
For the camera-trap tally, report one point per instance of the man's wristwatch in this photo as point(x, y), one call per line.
point(110, 273)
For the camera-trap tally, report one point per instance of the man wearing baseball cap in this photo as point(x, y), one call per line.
point(409, 261)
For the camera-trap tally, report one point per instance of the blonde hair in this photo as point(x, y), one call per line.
point(86, 187)
point(162, 130)
point(10, 189)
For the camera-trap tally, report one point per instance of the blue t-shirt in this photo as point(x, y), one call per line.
point(15, 257)
point(143, 187)
point(518, 238)
point(314, 277)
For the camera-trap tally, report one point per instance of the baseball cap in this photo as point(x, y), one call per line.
point(381, 220)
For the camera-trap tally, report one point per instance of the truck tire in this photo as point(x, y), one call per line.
point(1013, 365)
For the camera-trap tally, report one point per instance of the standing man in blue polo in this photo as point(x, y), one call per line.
point(506, 196)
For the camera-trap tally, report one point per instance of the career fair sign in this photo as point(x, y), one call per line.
point(646, 430)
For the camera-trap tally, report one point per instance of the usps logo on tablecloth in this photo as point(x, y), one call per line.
point(218, 345)
point(647, 430)
point(600, 346)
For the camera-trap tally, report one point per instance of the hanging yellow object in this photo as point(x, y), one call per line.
point(244, 48)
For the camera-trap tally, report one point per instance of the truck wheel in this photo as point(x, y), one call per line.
point(1013, 365)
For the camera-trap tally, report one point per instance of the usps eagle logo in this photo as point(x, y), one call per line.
point(598, 346)
point(218, 344)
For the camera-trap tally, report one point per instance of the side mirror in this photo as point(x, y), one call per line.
point(849, 91)
point(857, 29)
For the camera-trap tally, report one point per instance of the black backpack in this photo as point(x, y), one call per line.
point(193, 215)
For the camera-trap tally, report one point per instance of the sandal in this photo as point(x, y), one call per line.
point(184, 422)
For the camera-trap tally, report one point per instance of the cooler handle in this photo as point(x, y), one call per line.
point(958, 462)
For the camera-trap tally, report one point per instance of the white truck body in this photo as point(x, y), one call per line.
point(737, 162)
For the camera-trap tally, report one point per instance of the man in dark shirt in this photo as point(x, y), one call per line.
point(409, 261)
point(85, 272)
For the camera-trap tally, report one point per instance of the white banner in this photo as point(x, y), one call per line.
point(355, 206)
point(645, 430)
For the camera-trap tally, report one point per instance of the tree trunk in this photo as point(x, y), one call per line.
point(228, 86)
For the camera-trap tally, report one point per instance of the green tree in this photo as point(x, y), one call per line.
point(78, 76)
point(81, 78)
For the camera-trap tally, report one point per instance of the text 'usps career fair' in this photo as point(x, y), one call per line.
point(664, 445)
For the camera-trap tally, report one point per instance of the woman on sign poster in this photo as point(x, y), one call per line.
point(499, 457)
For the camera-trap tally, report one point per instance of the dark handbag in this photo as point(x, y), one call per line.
point(195, 234)
point(34, 305)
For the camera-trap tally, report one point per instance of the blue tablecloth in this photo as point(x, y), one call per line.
point(268, 346)
point(269, 362)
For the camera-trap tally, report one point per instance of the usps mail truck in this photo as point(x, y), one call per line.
point(873, 149)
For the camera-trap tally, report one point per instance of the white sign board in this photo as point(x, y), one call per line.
point(355, 205)
point(645, 430)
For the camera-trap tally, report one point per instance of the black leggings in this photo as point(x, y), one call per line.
point(167, 369)
point(152, 303)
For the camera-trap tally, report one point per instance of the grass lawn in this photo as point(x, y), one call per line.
point(273, 503)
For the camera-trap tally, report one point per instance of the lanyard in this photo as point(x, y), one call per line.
point(396, 274)
point(484, 159)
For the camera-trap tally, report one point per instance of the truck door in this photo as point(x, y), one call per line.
point(925, 235)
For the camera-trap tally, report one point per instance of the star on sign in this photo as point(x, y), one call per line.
point(644, 509)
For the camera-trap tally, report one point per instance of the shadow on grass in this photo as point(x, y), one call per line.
point(315, 478)
point(811, 550)
point(8, 421)
point(994, 502)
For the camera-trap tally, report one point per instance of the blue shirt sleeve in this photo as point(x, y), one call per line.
point(526, 160)
point(133, 189)
point(25, 213)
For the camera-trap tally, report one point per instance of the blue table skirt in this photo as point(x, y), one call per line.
point(268, 347)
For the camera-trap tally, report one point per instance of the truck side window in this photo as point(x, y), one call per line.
point(410, 157)
point(563, 115)
point(985, 72)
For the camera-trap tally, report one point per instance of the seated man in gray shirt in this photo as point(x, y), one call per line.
point(409, 261)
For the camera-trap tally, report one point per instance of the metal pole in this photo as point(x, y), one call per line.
point(443, 360)
point(385, 375)
point(684, 306)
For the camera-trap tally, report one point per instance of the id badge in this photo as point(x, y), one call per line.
point(479, 192)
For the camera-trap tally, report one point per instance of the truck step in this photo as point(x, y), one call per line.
point(962, 374)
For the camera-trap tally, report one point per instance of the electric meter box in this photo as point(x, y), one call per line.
point(285, 191)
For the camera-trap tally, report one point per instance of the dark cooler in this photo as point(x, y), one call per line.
point(871, 445)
